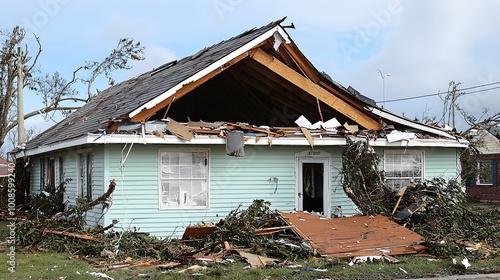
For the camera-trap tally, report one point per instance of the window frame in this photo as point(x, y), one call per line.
point(85, 164)
point(51, 171)
point(478, 179)
point(161, 180)
point(402, 153)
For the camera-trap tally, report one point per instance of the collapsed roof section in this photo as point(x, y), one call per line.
point(259, 77)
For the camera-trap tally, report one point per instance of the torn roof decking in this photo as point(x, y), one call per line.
point(355, 236)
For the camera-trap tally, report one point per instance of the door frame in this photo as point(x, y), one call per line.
point(313, 156)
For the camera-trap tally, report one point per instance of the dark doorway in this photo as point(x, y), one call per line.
point(312, 182)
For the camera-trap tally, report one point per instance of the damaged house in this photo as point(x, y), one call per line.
point(485, 186)
point(247, 118)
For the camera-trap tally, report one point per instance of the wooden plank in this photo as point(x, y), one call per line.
point(314, 89)
point(308, 136)
point(179, 130)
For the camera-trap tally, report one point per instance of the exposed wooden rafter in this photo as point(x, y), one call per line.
point(315, 90)
point(146, 113)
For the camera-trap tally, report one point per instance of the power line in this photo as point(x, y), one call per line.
point(439, 93)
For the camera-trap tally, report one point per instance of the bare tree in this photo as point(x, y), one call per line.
point(58, 94)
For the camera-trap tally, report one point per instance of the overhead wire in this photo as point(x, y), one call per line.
point(445, 92)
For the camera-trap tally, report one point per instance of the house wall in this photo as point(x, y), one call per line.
point(488, 142)
point(233, 182)
point(487, 193)
point(438, 162)
point(70, 171)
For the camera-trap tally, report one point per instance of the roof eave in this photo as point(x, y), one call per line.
point(422, 127)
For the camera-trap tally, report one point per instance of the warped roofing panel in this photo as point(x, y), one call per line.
point(355, 236)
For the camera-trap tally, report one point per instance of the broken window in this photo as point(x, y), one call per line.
point(51, 172)
point(402, 167)
point(183, 176)
point(487, 172)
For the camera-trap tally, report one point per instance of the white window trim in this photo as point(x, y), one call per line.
point(406, 152)
point(58, 177)
point(179, 150)
point(478, 181)
point(83, 184)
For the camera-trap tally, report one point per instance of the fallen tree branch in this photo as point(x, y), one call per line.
point(100, 199)
point(76, 235)
point(103, 229)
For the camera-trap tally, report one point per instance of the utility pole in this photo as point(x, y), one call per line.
point(383, 84)
point(20, 104)
point(453, 95)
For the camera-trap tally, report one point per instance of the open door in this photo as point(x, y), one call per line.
point(313, 181)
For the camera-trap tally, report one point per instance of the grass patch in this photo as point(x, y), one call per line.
point(43, 265)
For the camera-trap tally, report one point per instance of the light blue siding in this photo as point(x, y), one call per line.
point(71, 172)
point(438, 162)
point(95, 216)
point(233, 182)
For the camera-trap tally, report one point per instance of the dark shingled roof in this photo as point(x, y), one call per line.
point(123, 98)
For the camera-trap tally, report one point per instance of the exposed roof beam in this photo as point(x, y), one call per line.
point(315, 90)
point(144, 114)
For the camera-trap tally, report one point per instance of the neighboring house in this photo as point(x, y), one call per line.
point(486, 186)
point(195, 138)
point(5, 169)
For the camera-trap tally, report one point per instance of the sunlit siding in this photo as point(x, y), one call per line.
point(441, 162)
point(233, 182)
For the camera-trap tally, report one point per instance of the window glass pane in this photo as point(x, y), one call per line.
point(400, 169)
point(184, 180)
point(485, 173)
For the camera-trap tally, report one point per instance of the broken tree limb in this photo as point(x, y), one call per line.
point(101, 199)
point(400, 194)
point(103, 229)
point(70, 234)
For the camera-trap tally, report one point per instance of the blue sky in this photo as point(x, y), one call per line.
point(423, 44)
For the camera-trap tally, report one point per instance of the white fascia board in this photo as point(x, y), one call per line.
point(215, 140)
point(420, 143)
point(218, 64)
point(280, 141)
point(82, 140)
point(400, 120)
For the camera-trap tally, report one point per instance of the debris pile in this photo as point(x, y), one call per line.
point(437, 208)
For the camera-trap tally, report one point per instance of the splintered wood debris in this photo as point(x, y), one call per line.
point(310, 131)
point(354, 236)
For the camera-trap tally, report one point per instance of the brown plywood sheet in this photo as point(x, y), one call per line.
point(355, 236)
